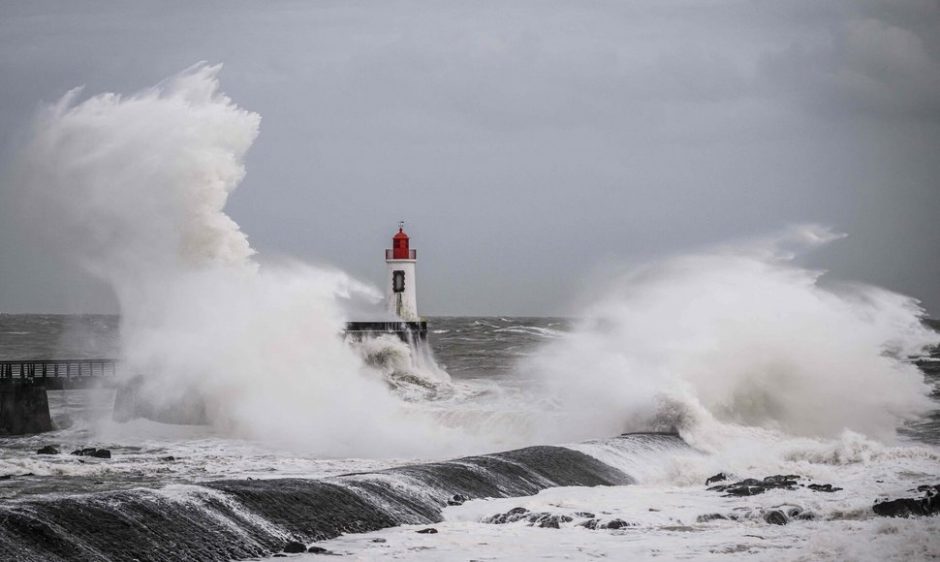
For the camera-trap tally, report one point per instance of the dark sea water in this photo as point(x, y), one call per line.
point(197, 493)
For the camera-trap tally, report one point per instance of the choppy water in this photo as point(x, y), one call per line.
point(212, 496)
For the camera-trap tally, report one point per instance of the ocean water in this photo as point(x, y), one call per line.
point(512, 438)
point(662, 499)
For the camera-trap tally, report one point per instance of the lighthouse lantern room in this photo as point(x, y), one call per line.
point(401, 294)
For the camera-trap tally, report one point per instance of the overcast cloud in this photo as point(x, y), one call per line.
point(527, 144)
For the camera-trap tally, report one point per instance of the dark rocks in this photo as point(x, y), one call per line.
point(458, 499)
point(379, 540)
point(776, 517)
point(746, 487)
point(616, 524)
point(319, 550)
point(586, 514)
point(92, 452)
point(514, 514)
point(709, 517)
point(781, 481)
point(823, 488)
point(293, 547)
point(548, 520)
point(538, 519)
point(911, 507)
point(48, 450)
point(796, 512)
point(428, 531)
point(752, 486)
point(720, 477)
point(612, 524)
point(170, 458)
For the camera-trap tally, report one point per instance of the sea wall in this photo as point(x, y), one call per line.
point(238, 519)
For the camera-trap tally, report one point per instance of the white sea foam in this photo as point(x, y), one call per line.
point(138, 185)
point(739, 336)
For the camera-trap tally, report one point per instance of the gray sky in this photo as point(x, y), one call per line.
point(527, 144)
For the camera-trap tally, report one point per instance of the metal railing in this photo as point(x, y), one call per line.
point(41, 371)
point(390, 255)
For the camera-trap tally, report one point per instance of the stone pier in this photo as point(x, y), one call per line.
point(24, 409)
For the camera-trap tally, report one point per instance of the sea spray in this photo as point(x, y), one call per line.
point(740, 336)
point(138, 185)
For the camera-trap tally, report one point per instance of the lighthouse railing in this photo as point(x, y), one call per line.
point(390, 255)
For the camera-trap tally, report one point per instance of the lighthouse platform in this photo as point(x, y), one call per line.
point(406, 331)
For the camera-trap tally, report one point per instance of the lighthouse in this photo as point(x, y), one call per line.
point(401, 293)
point(400, 297)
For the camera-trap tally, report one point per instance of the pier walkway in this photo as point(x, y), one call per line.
point(57, 374)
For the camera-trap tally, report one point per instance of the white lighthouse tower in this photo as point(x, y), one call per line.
point(400, 291)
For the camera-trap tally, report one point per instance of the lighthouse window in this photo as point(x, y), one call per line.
point(398, 281)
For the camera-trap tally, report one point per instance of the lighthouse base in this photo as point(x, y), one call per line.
point(406, 331)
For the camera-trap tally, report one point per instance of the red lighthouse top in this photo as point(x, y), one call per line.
point(400, 249)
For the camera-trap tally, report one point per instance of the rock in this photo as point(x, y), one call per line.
point(319, 550)
point(587, 514)
point(741, 490)
point(294, 547)
point(92, 452)
point(709, 517)
point(428, 531)
point(776, 517)
point(548, 520)
point(458, 499)
point(720, 477)
point(752, 486)
point(823, 488)
point(84, 452)
point(170, 458)
point(589, 524)
point(380, 540)
point(48, 450)
point(514, 514)
point(279, 555)
point(911, 507)
point(616, 524)
point(781, 481)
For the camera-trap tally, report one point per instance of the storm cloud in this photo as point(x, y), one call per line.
point(530, 145)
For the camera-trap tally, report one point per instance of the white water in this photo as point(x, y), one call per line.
point(138, 184)
point(739, 336)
